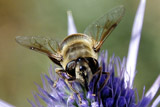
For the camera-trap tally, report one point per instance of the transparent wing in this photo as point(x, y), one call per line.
point(103, 26)
point(41, 44)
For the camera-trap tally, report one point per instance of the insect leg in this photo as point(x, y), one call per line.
point(59, 71)
point(102, 86)
point(105, 82)
point(70, 86)
point(98, 78)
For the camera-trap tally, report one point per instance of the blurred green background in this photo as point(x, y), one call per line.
point(20, 67)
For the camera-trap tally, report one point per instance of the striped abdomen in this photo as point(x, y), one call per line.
point(81, 47)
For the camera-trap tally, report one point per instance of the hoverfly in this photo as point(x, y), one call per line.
point(77, 54)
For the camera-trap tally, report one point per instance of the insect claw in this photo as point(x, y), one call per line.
point(80, 99)
point(55, 84)
point(93, 94)
point(80, 102)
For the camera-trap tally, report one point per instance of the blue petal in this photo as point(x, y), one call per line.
point(49, 80)
point(145, 102)
point(122, 102)
point(37, 101)
point(44, 99)
point(32, 103)
point(109, 102)
point(106, 92)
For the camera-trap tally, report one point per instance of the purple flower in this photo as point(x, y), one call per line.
point(113, 94)
point(118, 92)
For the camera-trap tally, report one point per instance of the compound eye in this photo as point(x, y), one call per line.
point(82, 68)
point(93, 64)
point(70, 68)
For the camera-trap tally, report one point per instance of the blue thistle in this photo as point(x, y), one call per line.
point(114, 94)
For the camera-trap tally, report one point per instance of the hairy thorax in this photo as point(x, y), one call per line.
point(82, 46)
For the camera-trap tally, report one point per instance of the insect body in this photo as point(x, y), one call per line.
point(77, 54)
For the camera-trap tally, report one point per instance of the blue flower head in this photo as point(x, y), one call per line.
point(113, 94)
point(117, 92)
